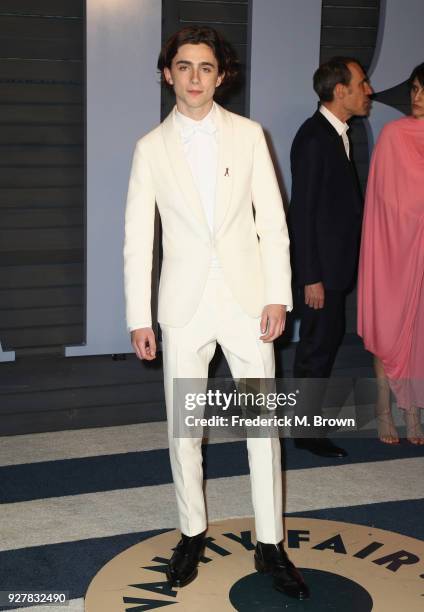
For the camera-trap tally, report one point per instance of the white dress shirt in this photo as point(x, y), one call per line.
point(200, 144)
point(340, 127)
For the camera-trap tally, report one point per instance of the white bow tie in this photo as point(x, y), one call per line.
point(202, 127)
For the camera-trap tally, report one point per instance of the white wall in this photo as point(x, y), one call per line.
point(285, 53)
point(123, 103)
point(286, 39)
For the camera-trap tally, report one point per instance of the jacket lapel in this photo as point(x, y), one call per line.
point(181, 169)
point(226, 169)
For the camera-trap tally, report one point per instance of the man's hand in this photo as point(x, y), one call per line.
point(273, 321)
point(314, 295)
point(144, 343)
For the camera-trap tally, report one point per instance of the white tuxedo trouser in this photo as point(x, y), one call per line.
point(187, 352)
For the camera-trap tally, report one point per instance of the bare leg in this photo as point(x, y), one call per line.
point(386, 428)
point(414, 431)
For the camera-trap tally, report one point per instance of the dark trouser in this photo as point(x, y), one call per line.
point(321, 333)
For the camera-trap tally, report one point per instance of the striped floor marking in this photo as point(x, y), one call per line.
point(75, 517)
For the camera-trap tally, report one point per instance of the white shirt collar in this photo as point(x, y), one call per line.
point(339, 126)
point(188, 125)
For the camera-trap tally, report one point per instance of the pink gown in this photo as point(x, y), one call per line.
point(391, 267)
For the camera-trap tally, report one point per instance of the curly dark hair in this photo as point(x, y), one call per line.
point(225, 55)
point(417, 73)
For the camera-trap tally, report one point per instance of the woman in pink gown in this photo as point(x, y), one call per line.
point(391, 269)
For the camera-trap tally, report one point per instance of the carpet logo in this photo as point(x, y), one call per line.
point(352, 567)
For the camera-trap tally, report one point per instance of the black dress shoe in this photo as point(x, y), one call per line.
point(272, 559)
point(323, 447)
point(182, 566)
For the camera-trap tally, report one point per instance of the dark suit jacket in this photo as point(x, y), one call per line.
point(326, 207)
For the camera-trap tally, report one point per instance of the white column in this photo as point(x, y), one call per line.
point(123, 104)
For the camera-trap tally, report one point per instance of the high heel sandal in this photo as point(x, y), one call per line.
point(386, 428)
point(414, 431)
point(383, 410)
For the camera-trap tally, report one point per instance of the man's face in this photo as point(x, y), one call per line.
point(417, 99)
point(356, 99)
point(194, 77)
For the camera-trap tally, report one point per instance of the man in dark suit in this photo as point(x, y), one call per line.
point(325, 220)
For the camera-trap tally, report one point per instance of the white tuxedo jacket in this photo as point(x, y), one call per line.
point(253, 248)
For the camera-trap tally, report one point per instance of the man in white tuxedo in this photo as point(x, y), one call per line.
point(225, 277)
